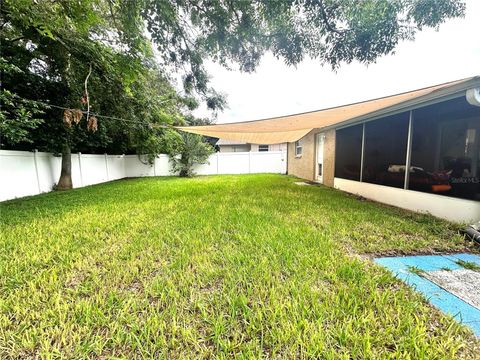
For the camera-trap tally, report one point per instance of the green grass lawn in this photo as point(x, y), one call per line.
point(221, 266)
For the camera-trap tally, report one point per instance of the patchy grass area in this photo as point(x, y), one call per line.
point(468, 265)
point(248, 266)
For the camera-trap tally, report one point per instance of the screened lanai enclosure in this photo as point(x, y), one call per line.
point(442, 150)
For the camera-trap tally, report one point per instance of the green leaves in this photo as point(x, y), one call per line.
point(186, 150)
point(18, 118)
point(332, 31)
point(432, 13)
point(44, 31)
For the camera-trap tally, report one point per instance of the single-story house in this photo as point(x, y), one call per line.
point(418, 150)
point(225, 145)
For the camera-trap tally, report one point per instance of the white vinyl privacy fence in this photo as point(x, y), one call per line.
point(24, 173)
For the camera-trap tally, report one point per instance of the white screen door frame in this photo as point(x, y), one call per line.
point(319, 140)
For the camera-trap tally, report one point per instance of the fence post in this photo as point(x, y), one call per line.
point(218, 155)
point(36, 169)
point(124, 165)
point(155, 166)
point(249, 162)
point(80, 168)
point(106, 165)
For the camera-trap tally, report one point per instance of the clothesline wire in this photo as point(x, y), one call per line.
point(99, 115)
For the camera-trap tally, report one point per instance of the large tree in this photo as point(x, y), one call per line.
point(71, 55)
point(54, 51)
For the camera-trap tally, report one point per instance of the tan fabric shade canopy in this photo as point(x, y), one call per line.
point(293, 127)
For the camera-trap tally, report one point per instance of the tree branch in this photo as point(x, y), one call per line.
point(16, 39)
point(86, 91)
point(324, 15)
point(110, 5)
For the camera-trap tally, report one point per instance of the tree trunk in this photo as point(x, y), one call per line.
point(65, 181)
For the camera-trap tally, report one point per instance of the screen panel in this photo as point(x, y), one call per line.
point(446, 149)
point(385, 150)
point(348, 152)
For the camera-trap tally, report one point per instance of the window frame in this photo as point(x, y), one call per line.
point(298, 148)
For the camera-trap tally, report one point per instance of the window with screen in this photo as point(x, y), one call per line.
point(385, 150)
point(298, 148)
point(348, 152)
point(446, 149)
point(263, 147)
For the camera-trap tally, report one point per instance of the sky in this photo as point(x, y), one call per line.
point(275, 89)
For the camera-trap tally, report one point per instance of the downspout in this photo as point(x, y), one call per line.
point(286, 157)
point(473, 232)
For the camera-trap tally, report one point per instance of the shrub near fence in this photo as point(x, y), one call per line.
point(24, 173)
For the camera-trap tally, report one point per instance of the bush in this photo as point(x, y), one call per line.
point(186, 150)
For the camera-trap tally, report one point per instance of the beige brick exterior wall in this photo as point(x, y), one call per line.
point(304, 166)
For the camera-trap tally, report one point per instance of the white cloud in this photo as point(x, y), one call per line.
point(275, 89)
